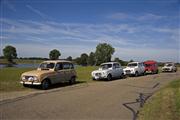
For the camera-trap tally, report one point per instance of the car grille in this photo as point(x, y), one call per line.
point(98, 74)
point(166, 69)
point(127, 71)
point(27, 77)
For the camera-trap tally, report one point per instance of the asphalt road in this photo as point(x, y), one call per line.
point(113, 100)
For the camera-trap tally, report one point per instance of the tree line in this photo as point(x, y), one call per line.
point(103, 53)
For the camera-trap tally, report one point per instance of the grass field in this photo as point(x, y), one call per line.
point(164, 105)
point(9, 77)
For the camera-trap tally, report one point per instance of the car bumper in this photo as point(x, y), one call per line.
point(148, 71)
point(30, 83)
point(129, 73)
point(99, 77)
point(167, 70)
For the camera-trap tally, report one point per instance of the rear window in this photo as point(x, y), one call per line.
point(148, 65)
point(132, 64)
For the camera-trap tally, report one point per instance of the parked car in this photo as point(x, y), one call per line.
point(108, 71)
point(50, 72)
point(134, 69)
point(169, 67)
point(151, 66)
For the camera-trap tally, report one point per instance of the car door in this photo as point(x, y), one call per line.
point(67, 71)
point(117, 70)
point(60, 76)
point(141, 68)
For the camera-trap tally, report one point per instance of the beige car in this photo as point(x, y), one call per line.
point(50, 72)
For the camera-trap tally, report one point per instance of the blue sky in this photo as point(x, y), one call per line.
point(137, 29)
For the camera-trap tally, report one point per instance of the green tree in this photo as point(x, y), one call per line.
point(10, 53)
point(103, 53)
point(69, 58)
point(131, 60)
point(78, 60)
point(54, 54)
point(84, 59)
point(116, 60)
point(123, 63)
point(91, 59)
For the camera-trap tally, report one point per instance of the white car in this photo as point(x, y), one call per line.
point(169, 67)
point(108, 71)
point(134, 69)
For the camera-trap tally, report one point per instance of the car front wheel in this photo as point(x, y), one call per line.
point(109, 77)
point(45, 84)
point(136, 74)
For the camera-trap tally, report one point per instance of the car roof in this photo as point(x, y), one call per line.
point(150, 62)
point(109, 63)
point(169, 63)
point(134, 62)
point(56, 61)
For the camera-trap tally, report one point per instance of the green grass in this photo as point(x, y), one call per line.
point(164, 105)
point(84, 73)
point(10, 77)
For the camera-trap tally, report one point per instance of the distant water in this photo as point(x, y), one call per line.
point(21, 65)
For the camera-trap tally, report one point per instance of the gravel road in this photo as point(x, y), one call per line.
point(113, 100)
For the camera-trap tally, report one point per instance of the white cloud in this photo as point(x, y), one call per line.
point(150, 16)
point(139, 54)
point(38, 38)
point(126, 16)
point(38, 12)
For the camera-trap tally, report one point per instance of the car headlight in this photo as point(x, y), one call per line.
point(35, 78)
point(32, 78)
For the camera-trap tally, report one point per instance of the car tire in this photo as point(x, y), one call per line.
point(109, 77)
point(136, 74)
point(122, 75)
point(72, 80)
point(45, 84)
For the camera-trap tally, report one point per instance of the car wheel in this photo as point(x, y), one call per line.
point(122, 75)
point(72, 80)
point(136, 73)
point(109, 77)
point(45, 84)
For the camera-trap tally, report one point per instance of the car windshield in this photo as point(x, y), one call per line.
point(132, 64)
point(168, 65)
point(46, 66)
point(148, 65)
point(106, 66)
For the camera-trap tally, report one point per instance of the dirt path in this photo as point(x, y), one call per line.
point(99, 100)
